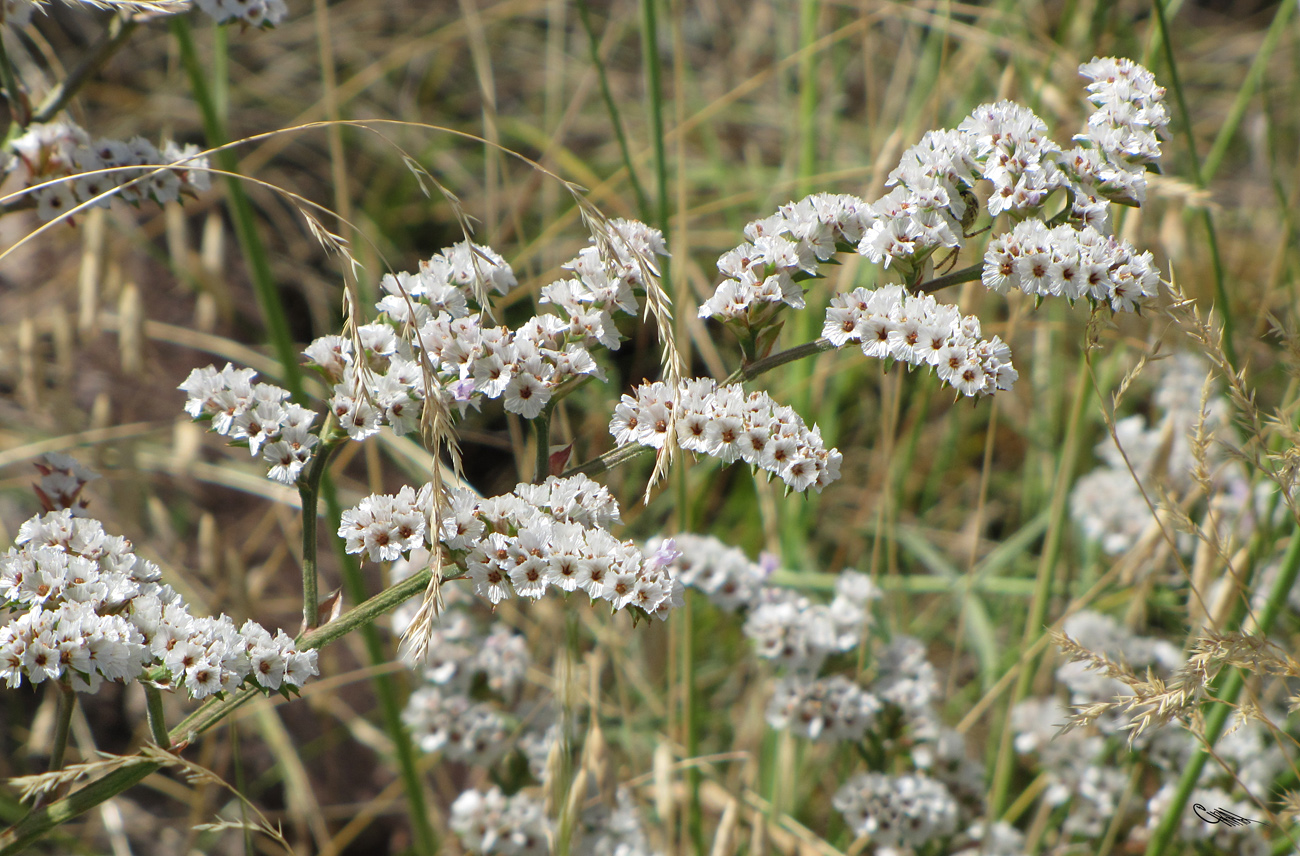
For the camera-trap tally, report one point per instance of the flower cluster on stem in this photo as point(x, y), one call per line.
point(85, 608)
point(136, 168)
point(553, 534)
point(722, 421)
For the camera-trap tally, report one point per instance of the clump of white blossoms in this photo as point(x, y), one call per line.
point(1063, 261)
point(919, 331)
point(250, 13)
point(257, 415)
point(1104, 635)
point(434, 320)
point(490, 822)
point(928, 209)
point(831, 709)
point(1109, 505)
point(726, 423)
point(83, 608)
point(897, 811)
point(62, 480)
point(552, 535)
point(84, 170)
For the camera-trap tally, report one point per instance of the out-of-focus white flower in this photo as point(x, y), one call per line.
point(897, 811)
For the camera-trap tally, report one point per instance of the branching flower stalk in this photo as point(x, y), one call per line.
point(436, 350)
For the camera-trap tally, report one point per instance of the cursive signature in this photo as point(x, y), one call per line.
point(1221, 815)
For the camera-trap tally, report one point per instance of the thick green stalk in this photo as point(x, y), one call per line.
point(1058, 524)
point(1225, 698)
point(426, 840)
point(154, 710)
point(63, 724)
point(308, 494)
point(241, 213)
point(1232, 122)
point(1212, 241)
point(115, 35)
point(542, 433)
point(655, 87)
point(611, 106)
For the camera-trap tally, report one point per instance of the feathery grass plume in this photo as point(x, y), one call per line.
point(1153, 701)
point(614, 247)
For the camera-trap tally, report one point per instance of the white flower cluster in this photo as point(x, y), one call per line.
point(897, 811)
point(470, 361)
point(458, 727)
point(722, 421)
point(1108, 505)
point(783, 625)
point(1072, 263)
point(1010, 149)
point(62, 480)
point(722, 572)
point(491, 823)
point(833, 708)
point(906, 677)
point(522, 543)
point(251, 13)
point(61, 150)
point(459, 654)
point(1002, 839)
point(781, 248)
point(616, 831)
point(1123, 134)
point(254, 413)
point(91, 610)
point(918, 330)
point(799, 633)
point(931, 199)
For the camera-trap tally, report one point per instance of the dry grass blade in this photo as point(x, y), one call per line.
point(659, 308)
point(42, 784)
point(1153, 701)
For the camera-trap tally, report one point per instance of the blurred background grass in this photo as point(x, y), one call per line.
point(762, 102)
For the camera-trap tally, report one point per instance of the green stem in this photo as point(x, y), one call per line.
point(642, 203)
point(309, 494)
point(241, 213)
point(1058, 525)
point(14, 94)
point(957, 277)
point(542, 432)
point(1226, 699)
point(654, 83)
point(157, 721)
point(62, 725)
point(798, 352)
point(426, 840)
point(1232, 122)
point(37, 823)
point(115, 35)
point(1212, 242)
